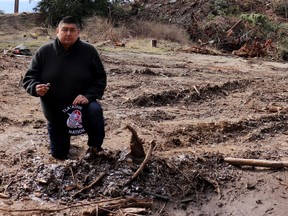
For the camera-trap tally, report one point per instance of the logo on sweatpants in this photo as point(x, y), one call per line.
point(74, 119)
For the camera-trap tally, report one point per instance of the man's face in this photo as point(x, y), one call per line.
point(67, 34)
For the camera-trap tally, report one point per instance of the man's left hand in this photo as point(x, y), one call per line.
point(80, 99)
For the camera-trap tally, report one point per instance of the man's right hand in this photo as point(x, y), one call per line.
point(42, 89)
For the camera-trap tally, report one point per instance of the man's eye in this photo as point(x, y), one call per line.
point(66, 30)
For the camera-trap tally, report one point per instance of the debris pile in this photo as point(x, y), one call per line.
point(180, 180)
point(255, 49)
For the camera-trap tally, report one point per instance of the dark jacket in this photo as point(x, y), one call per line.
point(78, 70)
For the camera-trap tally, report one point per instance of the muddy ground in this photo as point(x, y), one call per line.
point(199, 109)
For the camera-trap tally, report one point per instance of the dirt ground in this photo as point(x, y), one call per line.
point(199, 109)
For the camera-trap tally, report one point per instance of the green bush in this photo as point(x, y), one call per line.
point(53, 10)
point(256, 19)
point(260, 20)
point(223, 7)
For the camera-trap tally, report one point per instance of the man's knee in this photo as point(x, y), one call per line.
point(95, 107)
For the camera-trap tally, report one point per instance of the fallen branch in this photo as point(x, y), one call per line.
point(136, 146)
point(99, 178)
point(157, 195)
point(59, 209)
point(145, 161)
point(6, 187)
point(231, 30)
point(116, 205)
point(256, 162)
point(4, 196)
point(195, 88)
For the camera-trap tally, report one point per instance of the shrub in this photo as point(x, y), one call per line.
point(100, 29)
point(155, 30)
point(53, 10)
point(260, 20)
point(223, 7)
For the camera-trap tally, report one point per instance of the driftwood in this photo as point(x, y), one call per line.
point(99, 178)
point(131, 211)
point(51, 210)
point(256, 162)
point(104, 208)
point(142, 166)
point(136, 146)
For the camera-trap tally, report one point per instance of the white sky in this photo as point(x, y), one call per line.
point(24, 6)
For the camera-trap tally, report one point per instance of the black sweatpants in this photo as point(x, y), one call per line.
point(93, 123)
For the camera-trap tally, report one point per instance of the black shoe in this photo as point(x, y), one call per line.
point(99, 152)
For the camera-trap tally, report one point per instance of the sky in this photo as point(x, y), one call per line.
point(24, 6)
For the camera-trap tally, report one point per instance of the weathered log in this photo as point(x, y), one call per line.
point(256, 162)
point(51, 210)
point(102, 209)
point(136, 146)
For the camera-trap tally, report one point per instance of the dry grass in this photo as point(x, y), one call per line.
point(98, 29)
point(173, 33)
point(136, 35)
point(138, 45)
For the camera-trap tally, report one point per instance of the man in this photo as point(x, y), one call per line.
point(68, 76)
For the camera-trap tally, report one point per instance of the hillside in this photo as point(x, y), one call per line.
point(208, 22)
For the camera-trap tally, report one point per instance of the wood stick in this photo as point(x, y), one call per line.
point(99, 178)
point(60, 209)
point(6, 187)
point(161, 210)
point(157, 195)
point(195, 88)
point(231, 30)
point(4, 196)
point(134, 133)
point(136, 146)
point(145, 161)
point(124, 203)
point(256, 162)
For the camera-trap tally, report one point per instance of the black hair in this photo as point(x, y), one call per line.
point(69, 20)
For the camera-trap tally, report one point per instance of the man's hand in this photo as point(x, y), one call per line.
point(42, 89)
point(80, 99)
